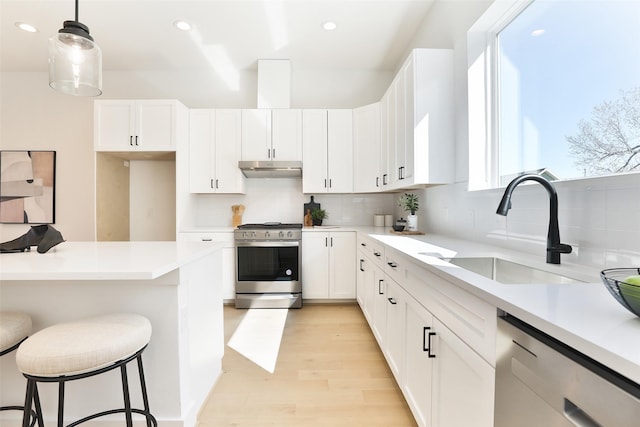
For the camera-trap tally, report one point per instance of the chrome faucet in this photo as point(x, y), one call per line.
point(554, 247)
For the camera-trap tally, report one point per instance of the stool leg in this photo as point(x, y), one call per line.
point(38, 414)
point(61, 404)
point(125, 393)
point(143, 386)
point(28, 400)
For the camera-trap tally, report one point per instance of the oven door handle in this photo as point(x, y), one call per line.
point(269, 244)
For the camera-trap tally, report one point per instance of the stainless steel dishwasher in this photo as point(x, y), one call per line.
point(542, 382)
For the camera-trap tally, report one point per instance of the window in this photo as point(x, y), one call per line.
point(562, 89)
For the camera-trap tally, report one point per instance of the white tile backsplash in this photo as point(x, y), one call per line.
point(281, 199)
point(598, 217)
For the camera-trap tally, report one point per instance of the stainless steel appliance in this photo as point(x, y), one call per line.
point(268, 258)
point(543, 382)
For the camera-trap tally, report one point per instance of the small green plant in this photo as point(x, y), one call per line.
point(318, 214)
point(409, 202)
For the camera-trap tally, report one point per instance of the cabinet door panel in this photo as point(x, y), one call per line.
point(396, 311)
point(462, 380)
point(314, 153)
point(340, 151)
point(200, 151)
point(114, 125)
point(417, 363)
point(366, 148)
point(342, 265)
point(155, 126)
point(228, 178)
point(256, 134)
point(379, 325)
point(315, 261)
point(286, 135)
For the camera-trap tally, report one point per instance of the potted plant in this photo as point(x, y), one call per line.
point(317, 215)
point(410, 203)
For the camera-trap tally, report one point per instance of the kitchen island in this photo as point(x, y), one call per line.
point(176, 285)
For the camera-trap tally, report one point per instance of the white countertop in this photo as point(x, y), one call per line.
point(583, 315)
point(102, 260)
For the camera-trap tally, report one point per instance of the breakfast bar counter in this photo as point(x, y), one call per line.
point(176, 285)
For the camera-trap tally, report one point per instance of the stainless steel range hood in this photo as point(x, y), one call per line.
point(271, 169)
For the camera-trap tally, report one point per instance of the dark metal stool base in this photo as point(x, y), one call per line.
point(33, 399)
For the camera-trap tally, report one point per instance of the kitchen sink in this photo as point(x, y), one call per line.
point(508, 272)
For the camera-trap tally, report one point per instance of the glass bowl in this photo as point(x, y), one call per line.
point(627, 294)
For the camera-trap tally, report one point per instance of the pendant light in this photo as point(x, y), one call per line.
point(75, 60)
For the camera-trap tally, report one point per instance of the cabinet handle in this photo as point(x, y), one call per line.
point(131, 140)
point(376, 253)
point(392, 264)
point(207, 239)
point(273, 153)
point(136, 140)
point(377, 181)
point(217, 184)
point(331, 241)
point(401, 172)
point(361, 264)
point(426, 339)
point(325, 183)
point(211, 184)
point(329, 182)
point(326, 242)
point(380, 286)
point(392, 301)
point(363, 244)
point(384, 179)
point(268, 153)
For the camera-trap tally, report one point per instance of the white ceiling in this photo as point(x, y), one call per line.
point(139, 34)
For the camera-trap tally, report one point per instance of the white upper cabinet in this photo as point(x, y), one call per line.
point(214, 151)
point(137, 125)
point(327, 137)
point(418, 121)
point(366, 148)
point(272, 134)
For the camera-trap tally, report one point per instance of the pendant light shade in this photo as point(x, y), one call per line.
point(75, 60)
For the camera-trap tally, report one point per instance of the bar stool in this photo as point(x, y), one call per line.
point(81, 349)
point(14, 328)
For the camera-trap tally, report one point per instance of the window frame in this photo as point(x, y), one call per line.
point(483, 96)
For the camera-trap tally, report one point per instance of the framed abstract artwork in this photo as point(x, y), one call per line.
point(27, 187)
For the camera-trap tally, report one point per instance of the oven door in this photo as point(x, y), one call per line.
point(268, 267)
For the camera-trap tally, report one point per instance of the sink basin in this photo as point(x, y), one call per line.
point(508, 272)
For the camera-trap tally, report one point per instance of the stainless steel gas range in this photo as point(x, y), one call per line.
point(268, 265)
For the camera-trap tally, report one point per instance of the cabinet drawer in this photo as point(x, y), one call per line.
point(373, 249)
point(467, 316)
point(395, 265)
point(226, 238)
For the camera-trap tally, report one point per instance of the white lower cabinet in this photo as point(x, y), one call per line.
point(329, 261)
point(447, 381)
point(228, 257)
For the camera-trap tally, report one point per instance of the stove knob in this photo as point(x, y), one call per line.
point(267, 235)
point(281, 234)
point(289, 234)
point(253, 234)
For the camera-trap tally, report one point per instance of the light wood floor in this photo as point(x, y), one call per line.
point(329, 372)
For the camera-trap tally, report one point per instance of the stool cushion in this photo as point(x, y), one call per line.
point(83, 346)
point(14, 327)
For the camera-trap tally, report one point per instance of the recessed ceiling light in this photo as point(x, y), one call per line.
point(182, 25)
point(26, 27)
point(329, 26)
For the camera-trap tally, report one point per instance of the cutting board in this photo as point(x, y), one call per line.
point(311, 206)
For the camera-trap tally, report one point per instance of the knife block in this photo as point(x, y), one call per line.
point(238, 210)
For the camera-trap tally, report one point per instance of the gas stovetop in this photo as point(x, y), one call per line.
point(268, 231)
point(270, 226)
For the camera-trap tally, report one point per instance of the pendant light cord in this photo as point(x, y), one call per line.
point(77, 20)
